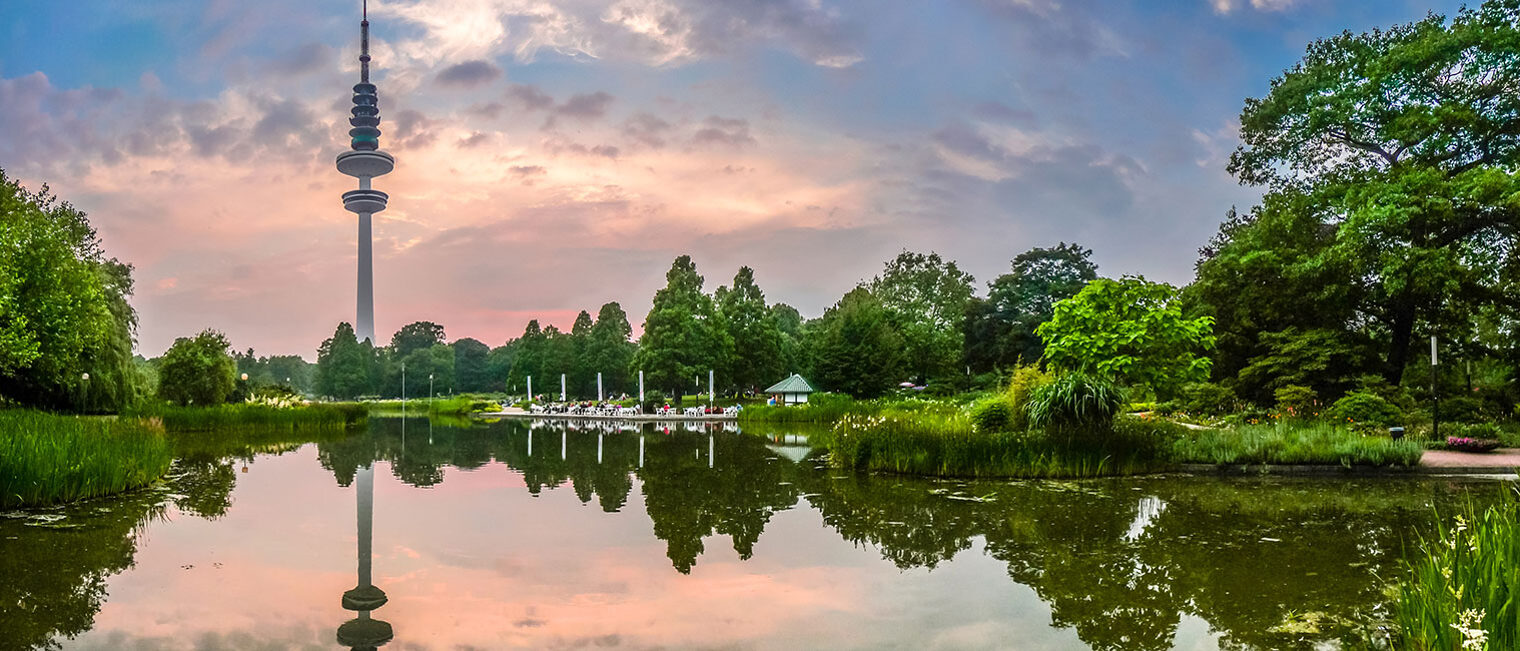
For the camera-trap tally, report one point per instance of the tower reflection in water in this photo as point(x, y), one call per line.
point(363, 632)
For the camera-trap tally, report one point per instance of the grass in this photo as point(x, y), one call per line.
point(48, 459)
point(335, 415)
point(1462, 589)
point(946, 444)
point(461, 405)
point(1294, 442)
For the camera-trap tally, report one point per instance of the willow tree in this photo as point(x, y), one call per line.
point(1403, 143)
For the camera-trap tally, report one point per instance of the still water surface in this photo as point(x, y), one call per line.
point(487, 536)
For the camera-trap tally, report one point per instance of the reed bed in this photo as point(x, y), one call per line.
point(47, 459)
point(948, 445)
point(1294, 442)
point(262, 417)
point(1462, 590)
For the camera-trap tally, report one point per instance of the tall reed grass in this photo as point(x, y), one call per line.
point(261, 417)
point(1294, 442)
point(49, 459)
point(947, 444)
point(1462, 590)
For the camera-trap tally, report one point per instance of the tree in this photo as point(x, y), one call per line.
point(343, 365)
point(197, 370)
point(472, 365)
point(416, 336)
point(1000, 332)
point(527, 355)
point(431, 367)
point(682, 336)
point(582, 372)
point(63, 307)
point(926, 298)
point(789, 323)
point(499, 366)
point(857, 350)
point(1403, 143)
point(1130, 330)
point(557, 358)
point(610, 351)
point(752, 326)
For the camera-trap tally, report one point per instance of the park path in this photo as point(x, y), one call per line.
point(1500, 458)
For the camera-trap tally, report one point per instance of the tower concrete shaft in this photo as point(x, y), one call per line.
point(365, 161)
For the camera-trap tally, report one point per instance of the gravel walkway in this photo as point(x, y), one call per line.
point(1500, 458)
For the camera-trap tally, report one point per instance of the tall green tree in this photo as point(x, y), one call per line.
point(471, 365)
point(197, 370)
point(758, 355)
point(610, 351)
point(857, 349)
point(927, 298)
point(416, 336)
point(1404, 142)
point(1000, 331)
point(63, 307)
point(1131, 330)
point(527, 359)
point(582, 371)
point(789, 323)
point(682, 335)
point(499, 367)
point(342, 365)
point(557, 359)
point(430, 369)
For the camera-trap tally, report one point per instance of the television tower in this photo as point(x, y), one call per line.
point(365, 161)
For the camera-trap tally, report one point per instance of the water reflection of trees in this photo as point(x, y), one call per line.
point(54, 564)
point(1268, 564)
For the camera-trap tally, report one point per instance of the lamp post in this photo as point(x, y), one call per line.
point(403, 395)
point(430, 393)
point(85, 403)
point(1435, 395)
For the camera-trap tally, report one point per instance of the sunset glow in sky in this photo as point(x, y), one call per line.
point(553, 155)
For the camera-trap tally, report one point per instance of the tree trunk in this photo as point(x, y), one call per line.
point(1399, 341)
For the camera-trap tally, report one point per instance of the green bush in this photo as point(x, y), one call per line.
point(992, 415)
point(1076, 401)
point(1461, 409)
point(1208, 398)
point(1296, 400)
point(1365, 407)
point(1025, 380)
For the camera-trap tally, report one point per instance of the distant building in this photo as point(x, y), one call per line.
point(791, 391)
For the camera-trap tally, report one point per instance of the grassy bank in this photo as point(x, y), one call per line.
point(1462, 590)
point(48, 459)
point(260, 417)
point(463, 405)
point(1293, 442)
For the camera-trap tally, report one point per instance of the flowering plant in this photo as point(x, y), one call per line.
point(1465, 444)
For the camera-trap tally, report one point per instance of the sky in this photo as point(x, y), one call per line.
point(554, 155)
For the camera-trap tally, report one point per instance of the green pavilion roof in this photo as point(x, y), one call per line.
point(793, 384)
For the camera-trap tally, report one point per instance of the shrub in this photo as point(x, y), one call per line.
point(653, 400)
point(1076, 401)
point(1296, 399)
point(992, 415)
point(1025, 380)
point(1365, 407)
point(1461, 409)
point(1207, 398)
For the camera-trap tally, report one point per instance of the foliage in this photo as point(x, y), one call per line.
point(758, 342)
point(197, 370)
point(343, 365)
point(822, 408)
point(417, 336)
point(856, 350)
point(471, 365)
point(1076, 401)
point(1208, 398)
point(925, 298)
point(1364, 407)
point(1130, 330)
point(1296, 400)
point(1460, 590)
point(992, 415)
point(683, 336)
point(610, 351)
point(1325, 360)
point(63, 308)
point(1025, 381)
point(1294, 442)
point(1000, 330)
point(1402, 142)
point(48, 459)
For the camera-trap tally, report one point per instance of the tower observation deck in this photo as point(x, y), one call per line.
point(365, 161)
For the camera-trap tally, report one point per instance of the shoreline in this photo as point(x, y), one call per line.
point(642, 418)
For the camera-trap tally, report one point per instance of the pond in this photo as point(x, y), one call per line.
point(531, 535)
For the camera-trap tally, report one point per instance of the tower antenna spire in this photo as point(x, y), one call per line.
point(364, 46)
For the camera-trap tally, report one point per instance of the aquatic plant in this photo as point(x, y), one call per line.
point(1076, 401)
point(1461, 591)
point(336, 415)
point(49, 459)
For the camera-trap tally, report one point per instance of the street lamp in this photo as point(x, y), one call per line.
point(84, 404)
point(430, 393)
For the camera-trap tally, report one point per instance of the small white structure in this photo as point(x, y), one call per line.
point(791, 391)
